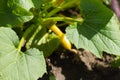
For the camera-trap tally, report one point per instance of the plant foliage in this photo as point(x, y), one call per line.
point(16, 65)
point(93, 27)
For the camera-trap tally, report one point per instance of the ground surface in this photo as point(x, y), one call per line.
point(83, 66)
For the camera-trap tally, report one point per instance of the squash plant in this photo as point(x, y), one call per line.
point(29, 32)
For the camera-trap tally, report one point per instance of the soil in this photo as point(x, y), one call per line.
point(66, 65)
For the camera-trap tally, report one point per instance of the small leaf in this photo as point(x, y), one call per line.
point(50, 44)
point(15, 65)
point(99, 31)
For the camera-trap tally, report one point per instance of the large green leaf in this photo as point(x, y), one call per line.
point(15, 65)
point(15, 12)
point(99, 31)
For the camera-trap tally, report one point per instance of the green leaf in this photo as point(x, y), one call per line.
point(48, 44)
point(99, 31)
point(15, 65)
point(38, 3)
point(116, 62)
point(15, 12)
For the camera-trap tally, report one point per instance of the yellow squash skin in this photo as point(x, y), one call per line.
point(64, 41)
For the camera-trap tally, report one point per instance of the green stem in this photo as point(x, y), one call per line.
point(80, 20)
point(22, 41)
point(33, 36)
point(57, 9)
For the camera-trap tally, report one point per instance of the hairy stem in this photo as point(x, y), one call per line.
point(80, 20)
point(33, 36)
point(57, 9)
point(22, 41)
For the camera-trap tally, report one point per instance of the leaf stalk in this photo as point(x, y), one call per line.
point(22, 41)
point(57, 9)
point(80, 20)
